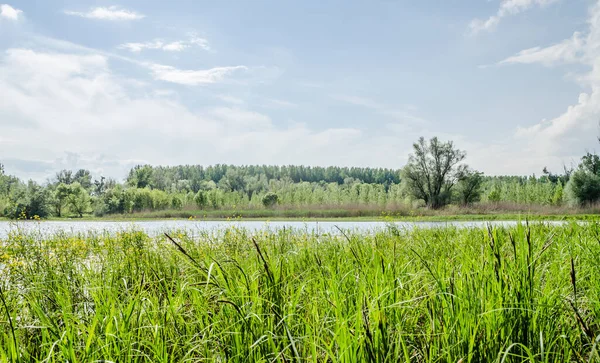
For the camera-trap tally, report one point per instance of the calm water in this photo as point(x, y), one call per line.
point(159, 226)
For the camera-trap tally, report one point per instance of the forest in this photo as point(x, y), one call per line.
point(435, 178)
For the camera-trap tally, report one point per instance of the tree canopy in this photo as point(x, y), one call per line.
point(432, 170)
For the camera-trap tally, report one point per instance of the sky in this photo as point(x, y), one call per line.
point(105, 85)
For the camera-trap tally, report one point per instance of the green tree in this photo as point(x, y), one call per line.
point(100, 186)
point(591, 163)
point(28, 201)
point(140, 176)
point(270, 200)
point(468, 188)
point(432, 170)
point(201, 199)
point(557, 197)
point(99, 206)
point(215, 198)
point(584, 184)
point(64, 176)
point(84, 178)
point(176, 202)
point(60, 195)
point(494, 195)
point(78, 199)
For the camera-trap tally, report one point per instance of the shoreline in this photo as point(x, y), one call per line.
point(427, 218)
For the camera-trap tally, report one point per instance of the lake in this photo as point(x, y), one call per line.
point(155, 227)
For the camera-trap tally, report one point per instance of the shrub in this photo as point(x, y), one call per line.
point(201, 199)
point(176, 202)
point(584, 187)
point(270, 200)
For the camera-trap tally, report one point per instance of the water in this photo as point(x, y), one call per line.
point(155, 227)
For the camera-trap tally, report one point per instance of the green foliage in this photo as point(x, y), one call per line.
point(100, 186)
point(590, 163)
point(99, 207)
point(176, 202)
point(270, 200)
point(585, 186)
point(432, 170)
point(518, 294)
point(253, 178)
point(78, 199)
point(59, 198)
point(225, 187)
point(494, 195)
point(468, 188)
point(27, 201)
point(557, 197)
point(141, 199)
point(4, 206)
point(84, 178)
point(201, 199)
point(141, 176)
point(65, 177)
point(521, 190)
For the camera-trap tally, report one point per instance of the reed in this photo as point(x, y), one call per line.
point(529, 293)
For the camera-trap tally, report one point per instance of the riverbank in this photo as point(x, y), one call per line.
point(324, 217)
point(477, 212)
point(483, 211)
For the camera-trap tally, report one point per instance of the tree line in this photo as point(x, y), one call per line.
point(434, 177)
point(249, 177)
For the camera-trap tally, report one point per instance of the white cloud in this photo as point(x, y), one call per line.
point(8, 12)
point(138, 47)
point(108, 13)
point(174, 46)
point(177, 46)
point(192, 77)
point(568, 51)
point(569, 134)
point(507, 8)
point(75, 103)
point(200, 42)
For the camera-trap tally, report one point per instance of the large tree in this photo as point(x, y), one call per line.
point(432, 170)
point(78, 199)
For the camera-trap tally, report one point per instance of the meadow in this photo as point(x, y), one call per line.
point(529, 293)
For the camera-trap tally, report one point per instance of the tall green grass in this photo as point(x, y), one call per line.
point(525, 293)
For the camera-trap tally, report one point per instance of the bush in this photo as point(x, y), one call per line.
point(99, 207)
point(201, 199)
point(494, 194)
point(270, 200)
point(584, 187)
point(176, 202)
point(468, 188)
point(28, 201)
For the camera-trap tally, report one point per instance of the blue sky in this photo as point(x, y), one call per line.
point(105, 85)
